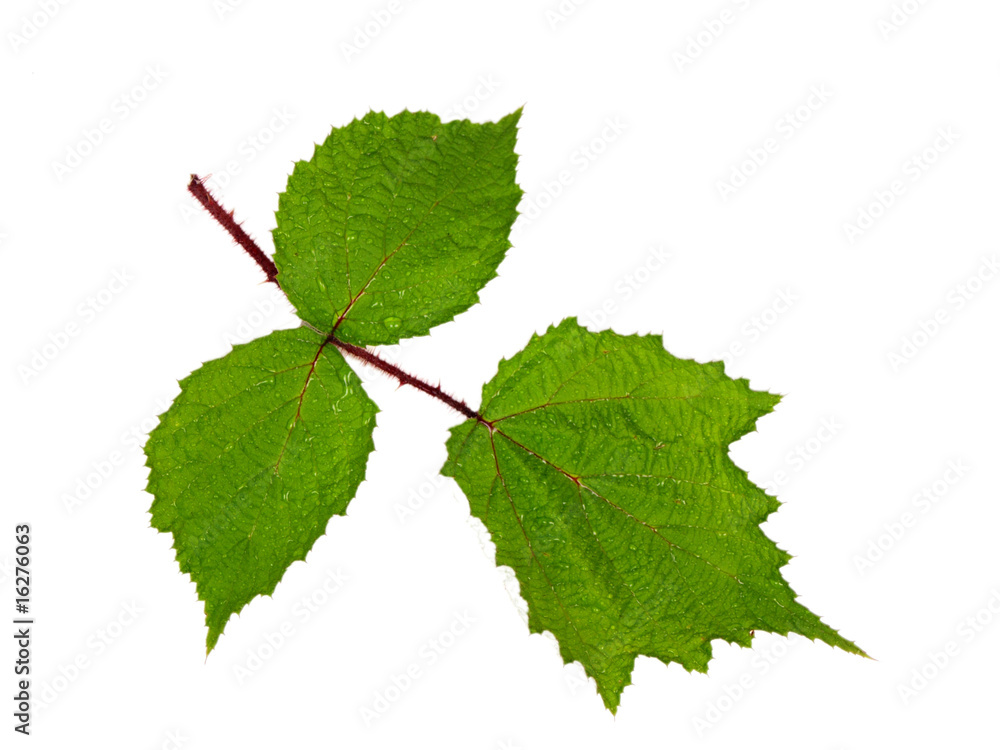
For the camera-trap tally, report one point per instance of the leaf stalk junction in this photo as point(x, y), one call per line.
point(227, 221)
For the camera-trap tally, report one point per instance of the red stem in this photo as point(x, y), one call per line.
point(405, 378)
point(197, 188)
point(225, 218)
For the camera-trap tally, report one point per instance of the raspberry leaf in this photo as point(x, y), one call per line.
point(255, 455)
point(396, 223)
point(601, 470)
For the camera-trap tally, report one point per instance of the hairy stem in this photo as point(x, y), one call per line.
point(405, 378)
point(197, 188)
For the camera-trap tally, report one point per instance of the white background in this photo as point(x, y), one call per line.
point(890, 430)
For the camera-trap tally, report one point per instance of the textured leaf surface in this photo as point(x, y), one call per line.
point(605, 483)
point(396, 223)
point(259, 450)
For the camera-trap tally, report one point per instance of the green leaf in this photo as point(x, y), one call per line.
point(396, 223)
point(259, 450)
point(605, 482)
